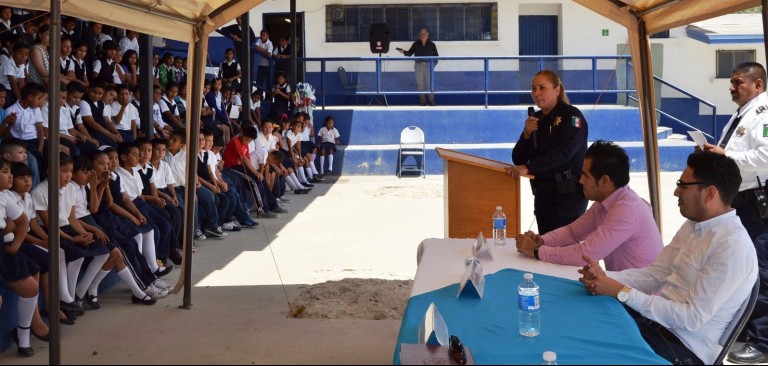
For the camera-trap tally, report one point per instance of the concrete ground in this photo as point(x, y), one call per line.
point(349, 227)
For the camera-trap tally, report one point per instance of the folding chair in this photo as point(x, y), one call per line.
point(347, 86)
point(412, 144)
point(737, 324)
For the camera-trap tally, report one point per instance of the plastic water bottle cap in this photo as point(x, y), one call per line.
point(498, 208)
point(528, 276)
point(550, 356)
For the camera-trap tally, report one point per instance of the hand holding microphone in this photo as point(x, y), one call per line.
point(532, 125)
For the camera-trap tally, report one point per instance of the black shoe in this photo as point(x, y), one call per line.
point(24, 351)
point(145, 301)
point(747, 354)
point(91, 301)
point(319, 177)
point(163, 271)
point(301, 191)
point(67, 321)
point(72, 306)
point(70, 314)
point(307, 184)
point(175, 257)
point(314, 181)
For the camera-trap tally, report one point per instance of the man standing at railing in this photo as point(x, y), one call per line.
point(745, 139)
point(422, 47)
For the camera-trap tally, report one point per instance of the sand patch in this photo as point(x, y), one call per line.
point(355, 298)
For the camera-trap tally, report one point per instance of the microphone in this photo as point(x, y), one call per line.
point(531, 111)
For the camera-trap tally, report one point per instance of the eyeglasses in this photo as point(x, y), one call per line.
point(456, 351)
point(681, 184)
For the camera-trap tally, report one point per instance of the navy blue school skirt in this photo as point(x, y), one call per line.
point(16, 267)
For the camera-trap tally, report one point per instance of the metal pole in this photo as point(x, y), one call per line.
point(649, 121)
point(294, 45)
point(764, 12)
point(54, 350)
point(146, 82)
point(245, 50)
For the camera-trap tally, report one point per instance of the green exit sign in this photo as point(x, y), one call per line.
point(605, 32)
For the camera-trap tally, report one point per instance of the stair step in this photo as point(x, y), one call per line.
point(677, 136)
point(663, 132)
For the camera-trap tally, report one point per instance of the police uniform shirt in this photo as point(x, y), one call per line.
point(67, 199)
point(748, 145)
point(561, 143)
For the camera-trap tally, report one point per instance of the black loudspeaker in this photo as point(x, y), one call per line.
point(379, 38)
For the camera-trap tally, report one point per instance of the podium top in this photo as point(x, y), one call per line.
point(475, 160)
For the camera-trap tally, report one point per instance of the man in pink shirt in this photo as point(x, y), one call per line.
point(618, 228)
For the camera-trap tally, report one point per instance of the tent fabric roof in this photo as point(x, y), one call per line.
point(173, 19)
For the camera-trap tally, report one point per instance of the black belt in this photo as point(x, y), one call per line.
point(564, 186)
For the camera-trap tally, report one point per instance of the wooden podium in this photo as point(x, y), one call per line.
point(473, 187)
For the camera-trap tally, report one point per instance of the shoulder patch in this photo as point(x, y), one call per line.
point(576, 122)
point(765, 130)
point(761, 109)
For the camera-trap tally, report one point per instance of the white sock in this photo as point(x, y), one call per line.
point(63, 275)
point(90, 273)
point(127, 277)
point(93, 290)
point(330, 162)
point(309, 172)
point(293, 182)
point(26, 310)
point(322, 164)
point(149, 250)
point(73, 269)
point(139, 240)
point(312, 163)
point(300, 172)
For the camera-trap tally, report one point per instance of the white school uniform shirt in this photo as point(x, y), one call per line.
point(329, 135)
point(26, 118)
point(132, 182)
point(178, 166)
point(163, 175)
point(157, 114)
point(129, 44)
point(113, 176)
point(261, 146)
point(130, 114)
point(211, 163)
point(70, 67)
point(11, 69)
point(305, 133)
point(67, 200)
point(81, 201)
point(263, 60)
point(294, 138)
point(164, 106)
point(144, 170)
point(97, 65)
point(71, 110)
point(85, 110)
point(9, 208)
point(25, 202)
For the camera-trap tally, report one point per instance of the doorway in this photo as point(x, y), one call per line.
point(538, 35)
point(279, 25)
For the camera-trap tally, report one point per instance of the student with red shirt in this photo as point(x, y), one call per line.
point(236, 158)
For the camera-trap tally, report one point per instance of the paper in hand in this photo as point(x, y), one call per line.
point(698, 138)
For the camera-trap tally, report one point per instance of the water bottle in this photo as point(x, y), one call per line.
point(528, 300)
point(550, 358)
point(499, 227)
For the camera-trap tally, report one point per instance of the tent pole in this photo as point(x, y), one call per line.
point(54, 351)
point(648, 113)
point(764, 12)
point(292, 78)
point(146, 83)
point(245, 66)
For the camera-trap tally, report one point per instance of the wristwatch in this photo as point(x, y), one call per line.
point(623, 295)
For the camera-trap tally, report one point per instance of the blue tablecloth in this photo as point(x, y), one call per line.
point(580, 328)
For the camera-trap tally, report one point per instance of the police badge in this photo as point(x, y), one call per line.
point(740, 131)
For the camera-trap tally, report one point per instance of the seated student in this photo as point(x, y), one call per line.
point(207, 113)
point(168, 107)
point(619, 227)
point(181, 102)
point(260, 148)
point(256, 97)
point(232, 103)
point(226, 185)
point(684, 300)
point(124, 228)
point(6, 119)
point(29, 121)
point(162, 129)
point(157, 204)
point(35, 245)
point(229, 70)
point(292, 180)
point(292, 149)
point(104, 67)
point(215, 99)
point(237, 161)
point(15, 151)
point(177, 159)
point(164, 183)
point(85, 142)
point(123, 198)
point(97, 118)
point(13, 75)
point(67, 130)
point(79, 51)
point(127, 171)
point(124, 114)
point(86, 292)
point(180, 74)
point(329, 138)
point(308, 146)
point(77, 243)
point(18, 272)
point(224, 204)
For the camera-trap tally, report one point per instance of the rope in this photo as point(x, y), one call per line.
point(607, 81)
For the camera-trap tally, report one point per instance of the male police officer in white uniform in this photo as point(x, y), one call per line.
point(745, 139)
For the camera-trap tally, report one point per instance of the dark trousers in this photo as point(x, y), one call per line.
point(553, 210)
point(240, 211)
point(664, 342)
point(262, 77)
point(757, 326)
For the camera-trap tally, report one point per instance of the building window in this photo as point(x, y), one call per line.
point(445, 22)
point(662, 34)
point(728, 59)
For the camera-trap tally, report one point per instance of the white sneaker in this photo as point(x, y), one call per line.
point(228, 226)
point(162, 284)
point(284, 200)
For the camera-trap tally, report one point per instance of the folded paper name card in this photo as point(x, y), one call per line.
point(433, 331)
point(481, 249)
point(472, 282)
point(421, 354)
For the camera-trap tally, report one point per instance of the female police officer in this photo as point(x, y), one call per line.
point(552, 148)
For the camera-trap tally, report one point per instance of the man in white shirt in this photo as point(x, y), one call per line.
point(264, 48)
point(686, 298)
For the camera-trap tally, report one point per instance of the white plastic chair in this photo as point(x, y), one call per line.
point(412, 144)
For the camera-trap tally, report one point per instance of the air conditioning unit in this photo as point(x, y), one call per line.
point(337, 13)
